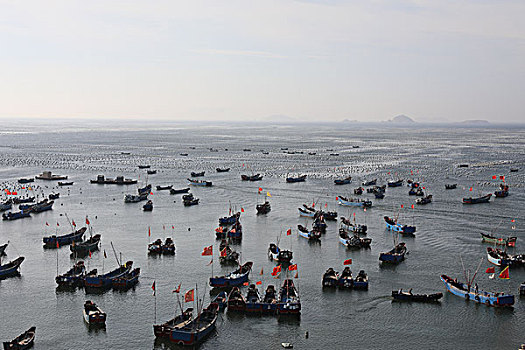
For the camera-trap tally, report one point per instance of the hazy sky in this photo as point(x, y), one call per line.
point(434, 60)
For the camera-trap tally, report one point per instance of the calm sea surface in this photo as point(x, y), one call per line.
point(338, 319)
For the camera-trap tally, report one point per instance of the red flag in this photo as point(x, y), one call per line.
point(292, 267)
point(153, 287)
point(512, 220)
point(490, 270)
point(412, 206)
point(260, 189)
point(313, 204)
point(151, 193)
point(242, 210)
point(246, 284)
point(73, 223)
point(87, 221)
point(211, 262)
point(149, 231)
point(262, 271)
point(501, 178)
point(90, 253)
point(207, 251)
point(178, 289)
point(58, 224)
point(188, 296)
point(172, 227)
point(401, 205)
point(423, 188)
point(289, 232)
point(504, 275)
point(494, 177)
point(276, 270)
point(105, 256)
point(258, 282)
point(57, 245)
point(347, 262)
point(297, 274)
point(47, 224)
point(470, 189)
point(14, 193)
point(326, 205)
point(223, 252)
point(336, 198)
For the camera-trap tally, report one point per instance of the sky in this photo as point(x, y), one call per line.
point(275, 60)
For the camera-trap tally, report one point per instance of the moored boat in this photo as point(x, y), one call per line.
point(450, 186)
point(47, 175)
point(83, 248)
point(477, 200)
point(61, 183)
point(23, 341)
point(253, 300)
point(26, 180)
point(467, 292)
point(263, 208)
point(424, 200)
point(301, 178)
point(310, 235)
point(73, 277)
point(15, 215)
point(220, 300)
point(235, 278)
point(508, 241)
point(330, 278)
point(254, 177)
point(12, 268)
point(194, 174)
point(93, 315)
point(408, 296)
point(278, 255)
point(306, 213)
point(369, 182)
point(344, 181)
point(355, 202)
point(502, 192)
point(6, 205)
point(289, 301)
point(348, 226)
point(395, 183)
point(162, 188)
point(394, 256)
point(58, 241)
point(127, 280)
point(269, 300)
point(179, 191)
point(200, 183)
point(148, 206)
point(222, 170)
point(106, 280)
point(361, 280)
point(133, 198)
point(353, 241)
point(393, 225)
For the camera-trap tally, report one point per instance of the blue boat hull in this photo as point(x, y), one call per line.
point(481, 297)
point(228, 282)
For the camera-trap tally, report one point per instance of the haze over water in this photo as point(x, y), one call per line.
point(446, 230)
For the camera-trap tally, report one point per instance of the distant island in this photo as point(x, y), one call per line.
point(475, 122)
point(401, 119)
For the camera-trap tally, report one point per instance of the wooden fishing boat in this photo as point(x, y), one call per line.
point(394, 256)
point(148, 206)
point(191, 202)
point(235, 232)
point(179, 191)
point(522, 289)
point(319, 224)
point(348, 226)
point(162, 188)
point(467, 292)
point(416, 191)
point(127, 280)
point(269, 301)
point(26, 180)
point(200, 183)
point(326, 215)
point(370, 182)
point(235, 278)
point(69, 183)
point(58, 241)
point(220, 300)
point(330, 278)
point(484, 199)
point(508, 241)
point(83, 248)
point(151, 172)
point(132, 198)
point(189, 331)
point(361, 280)
point(144, 190)
point(194, 174)
point(168, 248)
point(93, 315)
point(73, 277)
point(344, 280)
point(408, 296)
point(500, 257)
point(424, 200)
point(54, 195)
point(395, 183)
point(502, 192)
point(354, 241)
point(358, 191)
point(236, 301)
point(23, 341)
point(227, 255)
point(310, 235)
point(278, 255)
point(42, 206)
point(144, 166)
point(106, 280)
point(301, 178)
point(450, 186)
point(306, 213)
point(255, 177)
point(5, 206)
point(289, 301)
point(354, 202)
point(263, 208)
point(344, 181)
point(253, 300)
point(155, 247)
point(393, 225)
point(18, 200)
point(229, 220)
point(11, 268)
point(222, 170)
point(15, 215)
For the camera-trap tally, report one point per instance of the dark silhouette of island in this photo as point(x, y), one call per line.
point(401, 119)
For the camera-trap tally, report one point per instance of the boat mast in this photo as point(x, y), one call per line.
point(115, 253)
point(474, 277)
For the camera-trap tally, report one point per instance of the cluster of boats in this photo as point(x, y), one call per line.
point(345, 280)
point(230, 227)
point(166, 248)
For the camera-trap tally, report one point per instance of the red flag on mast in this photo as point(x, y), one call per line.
point(153, 287)
point(178, 289)
point(207, 251)
point(188, 296)
point(504, 275)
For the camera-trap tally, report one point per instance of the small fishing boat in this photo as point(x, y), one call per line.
point(326, 215)
point(424, 200)
point(522, 289)
point(263, 208)
point(26, 180)
point(289, 302)
point(477, 200)
point(69, 183)
point(144, 190)
point(73, 277)
point(235, 232)
point(127, 280)
point(330, 278)
point(306, 213)
point(508, 241)
point(200, 183)
point(229, 220)
point(162, 188)
point(301, 178)
point(23, 341)
point(345, 279)
point(144, 166)
point(361, 280)
point(179, 191)
point(83, 248)
point(5, 206)
point(11, 268)
point(236, 301)
point(235, 278)
point(194, 174)
point(148, 206)
point(43, 206)
point(227, 255)
point(393, 225)
point(106, 280)
point(450, 186)
point(370, 182)
point(133, 198)
point(354, 202)
point(278, 255)
point(500, 257)
point(269, 300)
point(186, 330)
point(310, 235)
point(151, 172)
point(502, 192)
point(58, 241)
point(408, 296)
point(466, 291)
point(220, 300)
point(394, 256)
point(253, 300)
point(15, 215)
point(255, 177)
point(319, 224)
point(358, 191)
point(416, 191)
point(93, 315)
point(54, 195)
point(348, 226)
point(155, 247)
point(344, 181)
point(395, 183)
point(222, 170)
point(354, 241)
point(18, 200)
point(168, 248)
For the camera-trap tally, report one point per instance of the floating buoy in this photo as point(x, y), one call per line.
point(189, 228)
